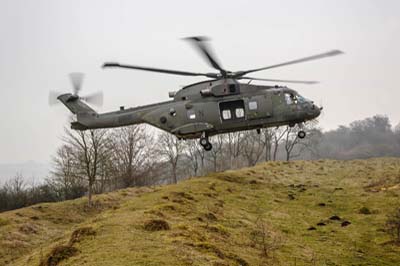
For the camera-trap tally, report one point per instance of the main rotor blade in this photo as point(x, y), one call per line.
point(94, 98)
point(160, 70)
point(200, 43)
point(284, 80)
point(76, 80)
point(301, 60)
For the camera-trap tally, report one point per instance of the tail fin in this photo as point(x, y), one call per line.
point(83, 112)
point(75, 105)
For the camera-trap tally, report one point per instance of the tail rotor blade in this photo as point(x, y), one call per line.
point(76, 80)
point(94, 98)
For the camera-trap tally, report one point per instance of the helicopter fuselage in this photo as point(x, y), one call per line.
point(206, 108)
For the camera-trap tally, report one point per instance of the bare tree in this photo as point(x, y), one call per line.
point(278, 134)
point(291, 140)
point(64, 177)
point(131, 147)
point(195, 155)
point(267, 140)
point(234, 147)
point(263, 238)
point(170, 149)
point(252, 147)
point(215, 153)
point(91, 152)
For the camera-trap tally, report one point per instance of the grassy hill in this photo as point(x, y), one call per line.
point(299, 213)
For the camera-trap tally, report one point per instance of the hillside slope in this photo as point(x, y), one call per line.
point(276, 213)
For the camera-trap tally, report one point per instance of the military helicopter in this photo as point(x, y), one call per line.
point(218, 105)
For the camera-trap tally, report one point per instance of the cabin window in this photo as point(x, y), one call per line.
point(239, 112)
point(253, 105)
point(232, 110)
point(226, 114)
point(191, 114)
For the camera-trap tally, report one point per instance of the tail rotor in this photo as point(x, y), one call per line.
point(76, 79)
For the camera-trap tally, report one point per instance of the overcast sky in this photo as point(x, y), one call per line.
point(42, 41)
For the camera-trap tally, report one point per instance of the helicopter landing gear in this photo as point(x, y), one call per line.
point(208, 146)
point(301, 134)
point(205, 142)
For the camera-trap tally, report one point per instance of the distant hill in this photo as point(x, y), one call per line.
point(277, 213)
point(30, 170)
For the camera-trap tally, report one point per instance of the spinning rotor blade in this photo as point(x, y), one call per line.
point(160, 70)
point(205, 50)
point(301, 60)
point(77, 80)
point(283, 80)
point(94, 98)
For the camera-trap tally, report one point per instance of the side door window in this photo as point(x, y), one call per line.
point(232, 110)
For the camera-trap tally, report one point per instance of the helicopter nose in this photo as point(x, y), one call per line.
point(317, 110)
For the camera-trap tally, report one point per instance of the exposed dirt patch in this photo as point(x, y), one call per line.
point(210, 216)
point(211, 248)
point(81, 233)
point(345, 223)
point(335, 218)
point(183, 195)
point(59, 254)
point(229, 178)
point(28, 229)
point(156, 225)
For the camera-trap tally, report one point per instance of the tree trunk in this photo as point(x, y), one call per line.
point(275, 151)
point(174, 177)
point(90, 194)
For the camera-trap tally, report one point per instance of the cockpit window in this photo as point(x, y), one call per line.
point(301, 99)
point(289, 98)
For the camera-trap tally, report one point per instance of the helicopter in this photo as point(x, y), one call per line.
point(220, 104)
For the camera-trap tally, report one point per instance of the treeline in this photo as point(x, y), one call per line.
point(98, 161)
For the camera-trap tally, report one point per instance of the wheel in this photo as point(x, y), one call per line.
point(301, 134)
point(203, 141)
point(208, 146)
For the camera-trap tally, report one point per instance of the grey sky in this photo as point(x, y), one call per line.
point(42, 41)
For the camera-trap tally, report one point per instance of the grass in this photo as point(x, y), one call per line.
point(212, 220)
